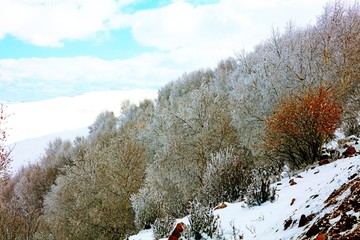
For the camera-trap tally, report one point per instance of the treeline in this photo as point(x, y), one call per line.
point(212, 135)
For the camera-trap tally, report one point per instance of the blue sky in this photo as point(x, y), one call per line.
point(52, 48)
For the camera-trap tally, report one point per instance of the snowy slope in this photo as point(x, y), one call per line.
point(267, 221)
point(32, 125)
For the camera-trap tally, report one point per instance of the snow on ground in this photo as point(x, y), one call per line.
point(31, 125)
point(267, 221)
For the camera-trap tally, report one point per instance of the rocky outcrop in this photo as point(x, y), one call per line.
point(342, 221)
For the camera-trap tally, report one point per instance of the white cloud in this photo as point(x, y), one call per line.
point(47, 23)
point(227, 24)
point(185, 37)
point(149, 69)
point(53, 76)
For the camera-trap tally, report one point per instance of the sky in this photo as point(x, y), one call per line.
point(53, 48)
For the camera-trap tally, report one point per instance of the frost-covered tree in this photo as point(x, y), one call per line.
point(29, 192)
point(187, 126)
point(4, 151)
point(12, 223)
point(289, 62)
point(227, 177)
point(204, 224)
point(21, 198)
point(105, 122)
point(339, 34)
point(92, 199)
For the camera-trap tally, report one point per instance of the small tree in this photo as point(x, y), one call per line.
point(301, 124)
point(162, 227)
point(260, 189)
point(227, 176)
point(203, 222)
point(4, 151)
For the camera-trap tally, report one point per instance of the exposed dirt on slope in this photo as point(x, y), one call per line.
point(342, 214)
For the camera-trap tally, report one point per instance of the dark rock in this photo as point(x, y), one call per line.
point(324, 157)
point(349, 152)
point(287, 223)
point(314, 196)
point(303, 220)
point(324, 161)
point(292, 182)
point(314, 229)
point(352, 176)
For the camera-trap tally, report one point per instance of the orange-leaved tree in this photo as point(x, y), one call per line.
point(4, 151)
point(301, 124)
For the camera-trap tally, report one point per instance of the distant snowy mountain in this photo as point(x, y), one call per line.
point(30, 150)
point(33, 124)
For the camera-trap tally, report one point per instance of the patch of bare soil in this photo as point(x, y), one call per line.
point(342, 222)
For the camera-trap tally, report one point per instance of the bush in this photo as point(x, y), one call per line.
point(202, 220)
point(162, 227)
point(301, 124)
point(351, 125)
point(146, 207)
point(259, 190)
point(226, 178)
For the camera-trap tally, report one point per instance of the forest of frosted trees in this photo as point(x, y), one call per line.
point(207, 138)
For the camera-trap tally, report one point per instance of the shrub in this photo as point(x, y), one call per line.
point(162, 227)
point(226, 178)
point(301, 124)
point(202, 220)
point(259, 190)
point(146, 207)
point(351, 125)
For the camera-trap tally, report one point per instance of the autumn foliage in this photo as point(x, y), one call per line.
point(301, 124)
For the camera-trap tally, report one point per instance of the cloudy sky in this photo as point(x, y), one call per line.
point(51, 48)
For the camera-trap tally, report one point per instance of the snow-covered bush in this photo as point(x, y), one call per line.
point(146, 207)
point(226, 178)
point(203, 222)
point(351, 124)
point(162, 227)
point(260, 190)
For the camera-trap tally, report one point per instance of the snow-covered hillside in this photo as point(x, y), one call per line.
point(32, 125)
point(308, 197)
